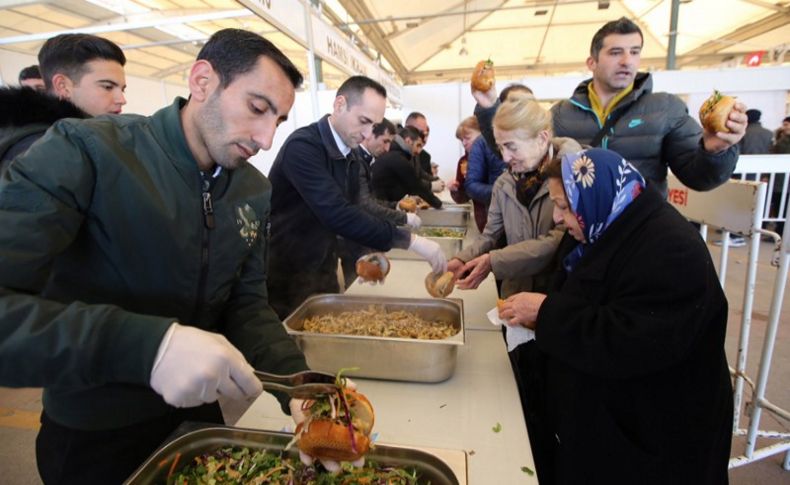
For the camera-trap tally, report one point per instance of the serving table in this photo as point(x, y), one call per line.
point(476, 410)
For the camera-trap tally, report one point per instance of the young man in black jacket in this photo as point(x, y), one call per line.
point(372, 148)
point(83, 76)
point(31, 77)
point(315, 180)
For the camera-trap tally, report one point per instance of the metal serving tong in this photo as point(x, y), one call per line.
point(301, 385)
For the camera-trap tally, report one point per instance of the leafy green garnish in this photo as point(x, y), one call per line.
point(527, 470)
point(340, 381)
point(497, 428)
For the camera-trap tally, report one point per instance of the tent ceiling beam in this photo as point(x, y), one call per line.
point(646, 30)
point(17, 3)
point(157, 21)
point(396, 31)
point(768, 5)
point(527, 27)
point(180, 67)
point(167, 43)
point(546, 30)
point(463, 32)
point(739, 35)
point(155, 16)
point(452, 13)
point(374, 32)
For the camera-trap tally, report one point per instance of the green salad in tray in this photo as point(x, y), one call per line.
point(242, 465)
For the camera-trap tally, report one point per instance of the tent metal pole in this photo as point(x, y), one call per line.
point(673, 34)
point(311, 64)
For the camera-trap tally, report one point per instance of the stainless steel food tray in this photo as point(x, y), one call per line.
point(448, 215)
point(450, 245)
point(439, 467)
point(400, 359)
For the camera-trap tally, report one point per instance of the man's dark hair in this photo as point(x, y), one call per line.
point(68, 53)
point(353, 88)
point(513, 87)
point(787, 119)
point(621, 26)
point(753, 115)
point(385, 126)
point(411, 133)
point(232, 52)
point(414, 115)
point(30, 72)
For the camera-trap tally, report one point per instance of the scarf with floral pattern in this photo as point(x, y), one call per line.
point(599, 185)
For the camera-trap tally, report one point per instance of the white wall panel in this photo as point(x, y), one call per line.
point(443, 106)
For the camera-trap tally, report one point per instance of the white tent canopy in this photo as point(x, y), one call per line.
point(441, 40)
point(418, 41)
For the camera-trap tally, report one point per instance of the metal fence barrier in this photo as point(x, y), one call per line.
point(740, 206)
point(773, 170)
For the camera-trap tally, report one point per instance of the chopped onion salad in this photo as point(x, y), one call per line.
point(378, 322)
point(242, 465)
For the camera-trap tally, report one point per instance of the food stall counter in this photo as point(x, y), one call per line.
point(476, 410)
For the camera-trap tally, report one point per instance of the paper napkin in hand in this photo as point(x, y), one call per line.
point(515, 335)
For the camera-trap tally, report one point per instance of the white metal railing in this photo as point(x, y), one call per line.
point(773, 170)
point(738, 206)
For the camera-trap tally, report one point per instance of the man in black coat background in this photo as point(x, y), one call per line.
point(397, 172)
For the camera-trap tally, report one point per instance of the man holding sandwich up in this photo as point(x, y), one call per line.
point(617, 109)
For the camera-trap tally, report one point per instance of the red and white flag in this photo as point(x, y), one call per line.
point(753, 59)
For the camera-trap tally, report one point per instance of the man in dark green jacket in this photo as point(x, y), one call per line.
point(133, 265)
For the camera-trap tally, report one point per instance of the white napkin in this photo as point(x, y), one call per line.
point(515, 335)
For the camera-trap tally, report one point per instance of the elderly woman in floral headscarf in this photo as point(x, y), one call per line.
point(636, 387)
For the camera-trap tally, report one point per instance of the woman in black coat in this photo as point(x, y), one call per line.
point(636, 387)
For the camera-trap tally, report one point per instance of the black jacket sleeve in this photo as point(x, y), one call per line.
point(308, 174)
point(414, 185)
point(485, 118)
point(44, 197)
point(373, 205)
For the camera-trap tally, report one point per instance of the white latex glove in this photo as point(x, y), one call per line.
point(430, 251)
point(360, 281)
point(295, 405)
point(193, 367)
point(437, 185)
point(413, 220)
